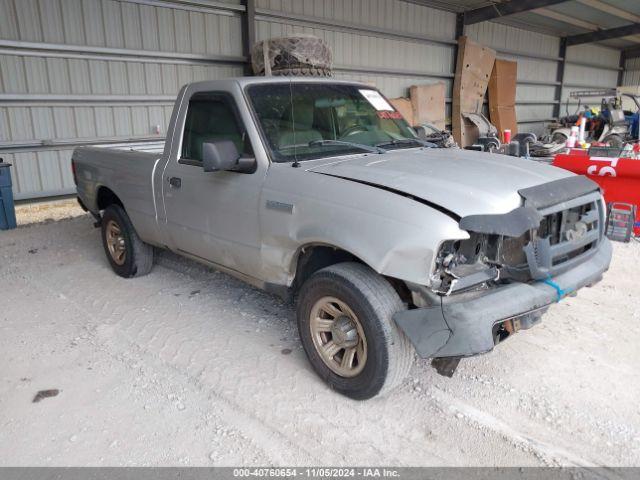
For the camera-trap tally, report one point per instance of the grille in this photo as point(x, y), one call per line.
point(569, 232)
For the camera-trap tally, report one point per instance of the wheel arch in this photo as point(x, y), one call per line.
point(314, 256)
point(105, 197)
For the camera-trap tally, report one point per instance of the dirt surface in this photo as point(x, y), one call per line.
point(187, 366)
point(48, 211)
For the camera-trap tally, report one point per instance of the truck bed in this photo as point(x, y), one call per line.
point(127, 171)
point(147, 147)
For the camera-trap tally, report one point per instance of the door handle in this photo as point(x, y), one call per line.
point(175, 182)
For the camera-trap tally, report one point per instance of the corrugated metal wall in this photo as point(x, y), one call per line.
point(99, 70)
point(81, 71)
point(367, 37)
point(537, 57)
point(589, 67)
point(391, 43)
point(631, 72)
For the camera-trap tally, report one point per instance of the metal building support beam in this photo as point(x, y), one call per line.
point(561, 17)
point(42, 49)
point(600, 35)
point(206, 6)
point(623, 61)
point(611, 10)
point(562, 53)
point(93, 99)
point(391, 71)
point(630, 53)
point(508, 8)
point(460, 31)
point(460, 25)
point(588, 86)
point(593, 65)
point(248, 32)
point(568, 19)
point(348, 27)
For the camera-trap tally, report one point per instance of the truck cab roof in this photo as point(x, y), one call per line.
point(245, 81)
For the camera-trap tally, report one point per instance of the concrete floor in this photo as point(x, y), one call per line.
point(187, 366)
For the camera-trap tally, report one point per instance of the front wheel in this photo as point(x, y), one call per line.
point(346, 329)
point(127, 254)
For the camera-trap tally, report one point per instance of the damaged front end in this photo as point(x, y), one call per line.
point(465, 264)
point(533, 242)
point(510, 269)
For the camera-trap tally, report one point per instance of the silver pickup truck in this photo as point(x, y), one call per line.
point(318, 189)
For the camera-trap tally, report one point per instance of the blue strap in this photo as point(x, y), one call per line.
point(561, 293)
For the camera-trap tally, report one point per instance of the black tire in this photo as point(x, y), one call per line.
point(303, 71)
point(373, 300)
point(138, 256)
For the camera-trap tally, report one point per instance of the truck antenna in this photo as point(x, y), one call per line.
point(295, 163)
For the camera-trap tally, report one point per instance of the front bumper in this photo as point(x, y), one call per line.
point(462, 325)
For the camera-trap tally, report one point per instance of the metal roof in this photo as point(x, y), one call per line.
point(571, 17)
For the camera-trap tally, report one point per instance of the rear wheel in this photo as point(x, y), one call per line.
point(127, 254)
point(346, 329)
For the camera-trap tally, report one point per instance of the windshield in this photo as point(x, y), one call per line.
point(302, 121)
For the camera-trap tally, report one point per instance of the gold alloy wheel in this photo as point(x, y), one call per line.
point(116, 243)
point(338, 336)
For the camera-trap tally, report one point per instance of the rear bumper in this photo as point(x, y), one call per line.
point(463, 325)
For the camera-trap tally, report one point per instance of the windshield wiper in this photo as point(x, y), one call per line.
point(361, 146)
point(406, 141)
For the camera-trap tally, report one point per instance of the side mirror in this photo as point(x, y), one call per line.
point(223, 155)
point(220, 155)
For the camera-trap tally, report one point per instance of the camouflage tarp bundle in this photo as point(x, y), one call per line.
point(302, 55)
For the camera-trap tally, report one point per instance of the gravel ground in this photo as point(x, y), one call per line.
point(46, 212)
point(188, 366)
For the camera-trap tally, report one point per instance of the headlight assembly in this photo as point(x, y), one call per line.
point(464, 264)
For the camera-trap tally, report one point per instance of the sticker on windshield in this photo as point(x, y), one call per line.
point(389, 115)
point(377, 100)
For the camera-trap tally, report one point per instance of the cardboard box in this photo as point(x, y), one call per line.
point(473, 67)
point(403, 105)
point(428, 103)
point(503, 82)
point(502, 95)
point(504, 118)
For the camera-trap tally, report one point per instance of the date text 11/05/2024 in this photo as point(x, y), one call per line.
point(317, 472)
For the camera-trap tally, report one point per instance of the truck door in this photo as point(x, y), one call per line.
point(213, 215)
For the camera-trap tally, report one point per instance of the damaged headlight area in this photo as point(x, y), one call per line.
point(522, 245)
point(495, 241)
point(479, 262)
point(464, 264)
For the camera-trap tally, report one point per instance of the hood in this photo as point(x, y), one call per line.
point(461, 181)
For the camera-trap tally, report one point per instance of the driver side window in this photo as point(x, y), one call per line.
point(211, 118)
